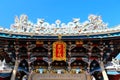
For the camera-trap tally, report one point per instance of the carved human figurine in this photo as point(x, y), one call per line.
point(16, 20)
point(16, 24)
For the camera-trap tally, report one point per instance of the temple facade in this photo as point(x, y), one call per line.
point(59, 51)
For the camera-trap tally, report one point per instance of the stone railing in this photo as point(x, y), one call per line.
point(51, 76)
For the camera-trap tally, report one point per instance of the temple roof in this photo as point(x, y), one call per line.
point(93, 26)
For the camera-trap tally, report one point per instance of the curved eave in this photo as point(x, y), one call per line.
point(77, 36)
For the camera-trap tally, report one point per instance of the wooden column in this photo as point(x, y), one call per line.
point(49, 56)
point(5, 46)
point(89, 47)
point(69, 63)
point(105, 77)
point(70, 47)
point(29, 47)
point(28, 53)
point(89, 62)
point(17, 61)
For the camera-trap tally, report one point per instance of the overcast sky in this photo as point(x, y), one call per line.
point(64, 10)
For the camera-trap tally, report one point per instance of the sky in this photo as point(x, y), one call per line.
point(64, 10)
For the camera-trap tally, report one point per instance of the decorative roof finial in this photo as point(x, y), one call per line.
point(59, 36)
point(58, 23)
